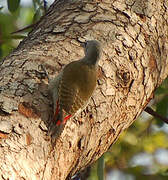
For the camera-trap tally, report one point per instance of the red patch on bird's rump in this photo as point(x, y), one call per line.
point(66, 118)
point(59, 121)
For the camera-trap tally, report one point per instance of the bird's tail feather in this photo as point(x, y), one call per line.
point(58, 122)
point(57, 126)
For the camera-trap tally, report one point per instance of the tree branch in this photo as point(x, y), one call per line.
point(155, 114)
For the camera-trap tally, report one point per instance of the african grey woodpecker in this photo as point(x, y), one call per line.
point(73, 87)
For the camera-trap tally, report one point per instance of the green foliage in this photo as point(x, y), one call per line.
point(13, 5)
point(163, 89)
point(17, 17)
point(6, 25)
point(100, 168)
point(39, 10)
point(162, 104)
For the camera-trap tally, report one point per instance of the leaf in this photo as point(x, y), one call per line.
point(17, 36)
point(100, 168)
point(13, 5)
point(37, 15)
point(161, 90)
point(162, 109)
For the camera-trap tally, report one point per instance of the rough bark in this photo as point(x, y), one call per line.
point(134, 37)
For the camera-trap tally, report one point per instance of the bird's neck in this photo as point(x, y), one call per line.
point(91, 58)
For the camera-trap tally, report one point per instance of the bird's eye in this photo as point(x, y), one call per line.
point(84, 44)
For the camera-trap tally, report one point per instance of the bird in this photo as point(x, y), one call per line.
point(74, 86)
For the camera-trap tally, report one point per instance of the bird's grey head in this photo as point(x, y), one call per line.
point(92, 52)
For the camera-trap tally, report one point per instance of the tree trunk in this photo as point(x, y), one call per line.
point(134, 62)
